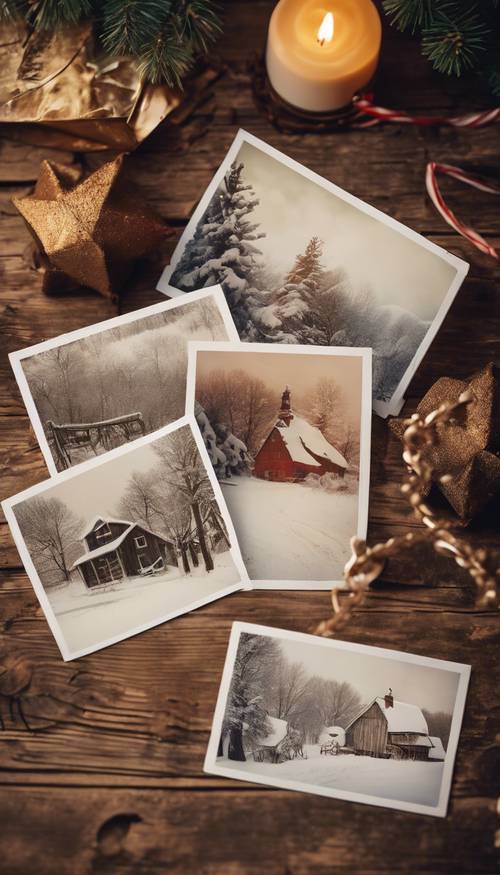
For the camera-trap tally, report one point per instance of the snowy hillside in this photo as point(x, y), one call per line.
point(403, 780)
point(87, 617)
point(287, 531)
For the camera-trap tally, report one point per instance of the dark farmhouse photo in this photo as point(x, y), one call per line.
point(309, 716)
point(285, 433)
point(128, 542)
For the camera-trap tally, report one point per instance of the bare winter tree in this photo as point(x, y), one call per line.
point(336, 703)
point(51, 531)
point(241, 402)
point(184, 471)
point(138, 503)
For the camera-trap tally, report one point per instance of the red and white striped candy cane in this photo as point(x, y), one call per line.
point(377, 114)
point(433, 168)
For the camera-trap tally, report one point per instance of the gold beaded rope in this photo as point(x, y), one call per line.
point(367, 563)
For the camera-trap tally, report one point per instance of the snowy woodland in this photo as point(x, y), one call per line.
point(139, 367)
point(171, 495)
point(312, 303)
point(236, 411)
point(267, 687)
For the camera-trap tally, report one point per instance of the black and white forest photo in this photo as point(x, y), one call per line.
point(133, 540)
point(287, 429)
point(302, 261)
point(109, 384)
point(345, 720)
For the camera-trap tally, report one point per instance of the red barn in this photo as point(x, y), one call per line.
point(295, 448)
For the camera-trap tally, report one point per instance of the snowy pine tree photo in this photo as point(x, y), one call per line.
point(223, 251)
point(302, 264)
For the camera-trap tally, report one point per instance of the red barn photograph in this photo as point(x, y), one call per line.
point(294, 448)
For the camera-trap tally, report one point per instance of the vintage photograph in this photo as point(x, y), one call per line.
point(102, 386)
point(138, 537)
point(302, 261)
point(287, 429)
point(338, 719)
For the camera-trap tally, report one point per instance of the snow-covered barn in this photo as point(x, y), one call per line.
point(116, 549)
point(388, 728)
point(294, 448)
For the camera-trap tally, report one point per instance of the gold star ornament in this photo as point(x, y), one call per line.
point(89, 232)
point(467, 449)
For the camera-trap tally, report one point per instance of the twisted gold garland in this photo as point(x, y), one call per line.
point(367, 563)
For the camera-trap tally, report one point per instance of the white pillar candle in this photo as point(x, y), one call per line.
point(321, 52)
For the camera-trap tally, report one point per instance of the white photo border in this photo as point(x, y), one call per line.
point(16, 358)
point(9, 505)
point(211, 766)
point(382, 408)
point(365, 353)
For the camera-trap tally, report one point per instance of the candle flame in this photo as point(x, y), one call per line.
point(325, 32)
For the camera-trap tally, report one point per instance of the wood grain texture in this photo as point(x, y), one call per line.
point(110, 778)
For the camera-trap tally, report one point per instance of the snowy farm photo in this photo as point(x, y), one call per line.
point(302, 261)
point(338, 719)
point(136, 538)
point(102, 386)
point(287, 429)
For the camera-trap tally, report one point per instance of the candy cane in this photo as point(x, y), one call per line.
point(377, 114)
point(433, 168)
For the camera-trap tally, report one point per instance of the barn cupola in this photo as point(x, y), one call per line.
point(285, 413)
point(389, 699)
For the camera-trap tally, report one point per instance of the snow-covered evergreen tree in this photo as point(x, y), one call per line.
point(257, 655)
point(228, 454)
point(223, 251)
point(293, 301)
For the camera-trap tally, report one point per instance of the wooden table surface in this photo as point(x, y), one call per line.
point(111, 779)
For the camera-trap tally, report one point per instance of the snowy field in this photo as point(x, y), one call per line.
point(89, 617)
point(402, 780)
point(289, 531)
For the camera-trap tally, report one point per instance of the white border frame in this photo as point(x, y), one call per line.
point(8, 507)
point(383, 408)
point(16, 358)
point(365, 354)
point(212, 767)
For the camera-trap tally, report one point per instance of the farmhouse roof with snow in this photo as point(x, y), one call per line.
point(295, 448)
point(118, 549)
point(401, 717)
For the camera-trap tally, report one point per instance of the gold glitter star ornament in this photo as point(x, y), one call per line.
point(89, 232)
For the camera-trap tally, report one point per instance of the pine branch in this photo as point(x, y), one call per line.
point(12, 10)
point(51, 14)
point(409, 14)
point(128, 24)
point(454, 41)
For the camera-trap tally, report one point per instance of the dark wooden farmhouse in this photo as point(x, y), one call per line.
point(116, 549)
point(294, 448)
point(388, 728)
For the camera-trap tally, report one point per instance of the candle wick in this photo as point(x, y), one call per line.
point(322, 41)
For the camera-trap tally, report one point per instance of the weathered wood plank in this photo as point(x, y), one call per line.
point(80, 832)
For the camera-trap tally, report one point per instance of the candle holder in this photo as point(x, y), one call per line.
point(290, 119)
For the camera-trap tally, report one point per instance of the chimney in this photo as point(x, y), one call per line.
point(286, 411)
point(389, 699)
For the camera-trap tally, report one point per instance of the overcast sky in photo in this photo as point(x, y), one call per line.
point(97, 492)
point(293, 209)
point(430, 688)
point(299, 371)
